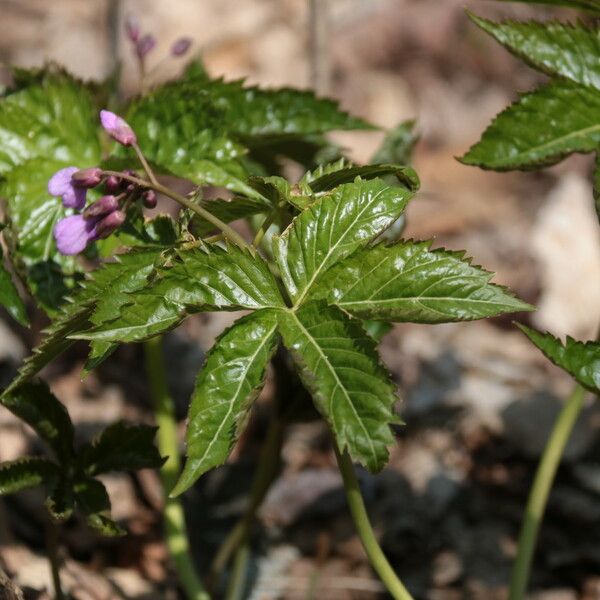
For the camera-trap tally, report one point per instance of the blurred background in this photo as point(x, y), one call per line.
point(478, 399)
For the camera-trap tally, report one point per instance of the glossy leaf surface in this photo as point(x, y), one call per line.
point(227, 385)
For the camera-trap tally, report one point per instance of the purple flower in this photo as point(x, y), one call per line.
point(112, 184)
point(87, 178)
point(132, 27)
point(74, 233)
point(181, 46)
point(109, 223)
point(117, 128)
point(62, 184)
point(145, 45)
point(101, 207)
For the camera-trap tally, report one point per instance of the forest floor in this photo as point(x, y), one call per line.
point(477, 399)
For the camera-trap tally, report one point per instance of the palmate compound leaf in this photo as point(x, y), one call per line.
point(557, 49)
point(409, 282)
point(227, 385)
point(34, 403)
point(205, 278)
point(580, 359)
point(121, 447)
point(540, 129)
point(26, 472)
point(100, 296)
point(338, 363)
point(332, 228)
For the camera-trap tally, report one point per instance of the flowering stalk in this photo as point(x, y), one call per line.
point(186, 203)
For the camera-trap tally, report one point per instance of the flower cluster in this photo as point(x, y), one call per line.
point(144, 44)
point(104, 216)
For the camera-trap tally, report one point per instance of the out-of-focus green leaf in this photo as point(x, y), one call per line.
point(580, 359)
point(339, 365)
point(121, 447)
point(35, 404)
point(9, 296)
point(26, 472)
point(557, 49)
point(409, 282)
point(398, 144)
point(92, 498)
point(589, 5)
point(334, 227)
point(225, 389)
point(540, 129)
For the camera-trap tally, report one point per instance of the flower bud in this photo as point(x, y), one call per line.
point(109, 224)
point(117, 128)
point(132, 28)
point(149, 199)
point(112, 184)
point(181, 46)
point(145, 45)
point(103, 206)
point(87, 178)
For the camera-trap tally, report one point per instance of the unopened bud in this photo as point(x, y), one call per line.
point(149, 199)
point(132, 28)
point(87, 178)
point(117, 128)
point(181, 46)
point(109, 224)
point(112, 184)
point(145, 45)
point(103, 206)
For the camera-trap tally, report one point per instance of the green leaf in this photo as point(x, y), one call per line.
point(580, 359)
point(60, 502)
point(35, 404)
point(92, 499)
point(91, 300)
point(205, 278)
point(589, 5)
point(409, 282)
point(51, 119)
point(540, 129)
point(26, 472)
point(9, 297)
point(227, 385)
point(557, 49)
point(324, 169)
point(338, 363)
point(405, 175)
point(252, 111)
point(398, 144)
point(227, 211)
point(332, 228)
point(121, 447)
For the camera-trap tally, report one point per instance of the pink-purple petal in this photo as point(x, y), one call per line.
point(61, 181)
point(74, 233)
point(117, 128)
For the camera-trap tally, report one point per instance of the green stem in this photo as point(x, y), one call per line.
point(538, 497)
point(175, 527)
point(363, 526)
point(265, 473)
point(237, 582)
point(52, 548)
point(145, 164)
point(187, 203)
point(260, 234)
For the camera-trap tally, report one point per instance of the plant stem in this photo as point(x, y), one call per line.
point(266, 470)
point(175, 527)
point(538, 497)
point(237, 582)
point(53, 558)
point(260, 234)
point(145, 164)
point(365, 531)
point(187, 203)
